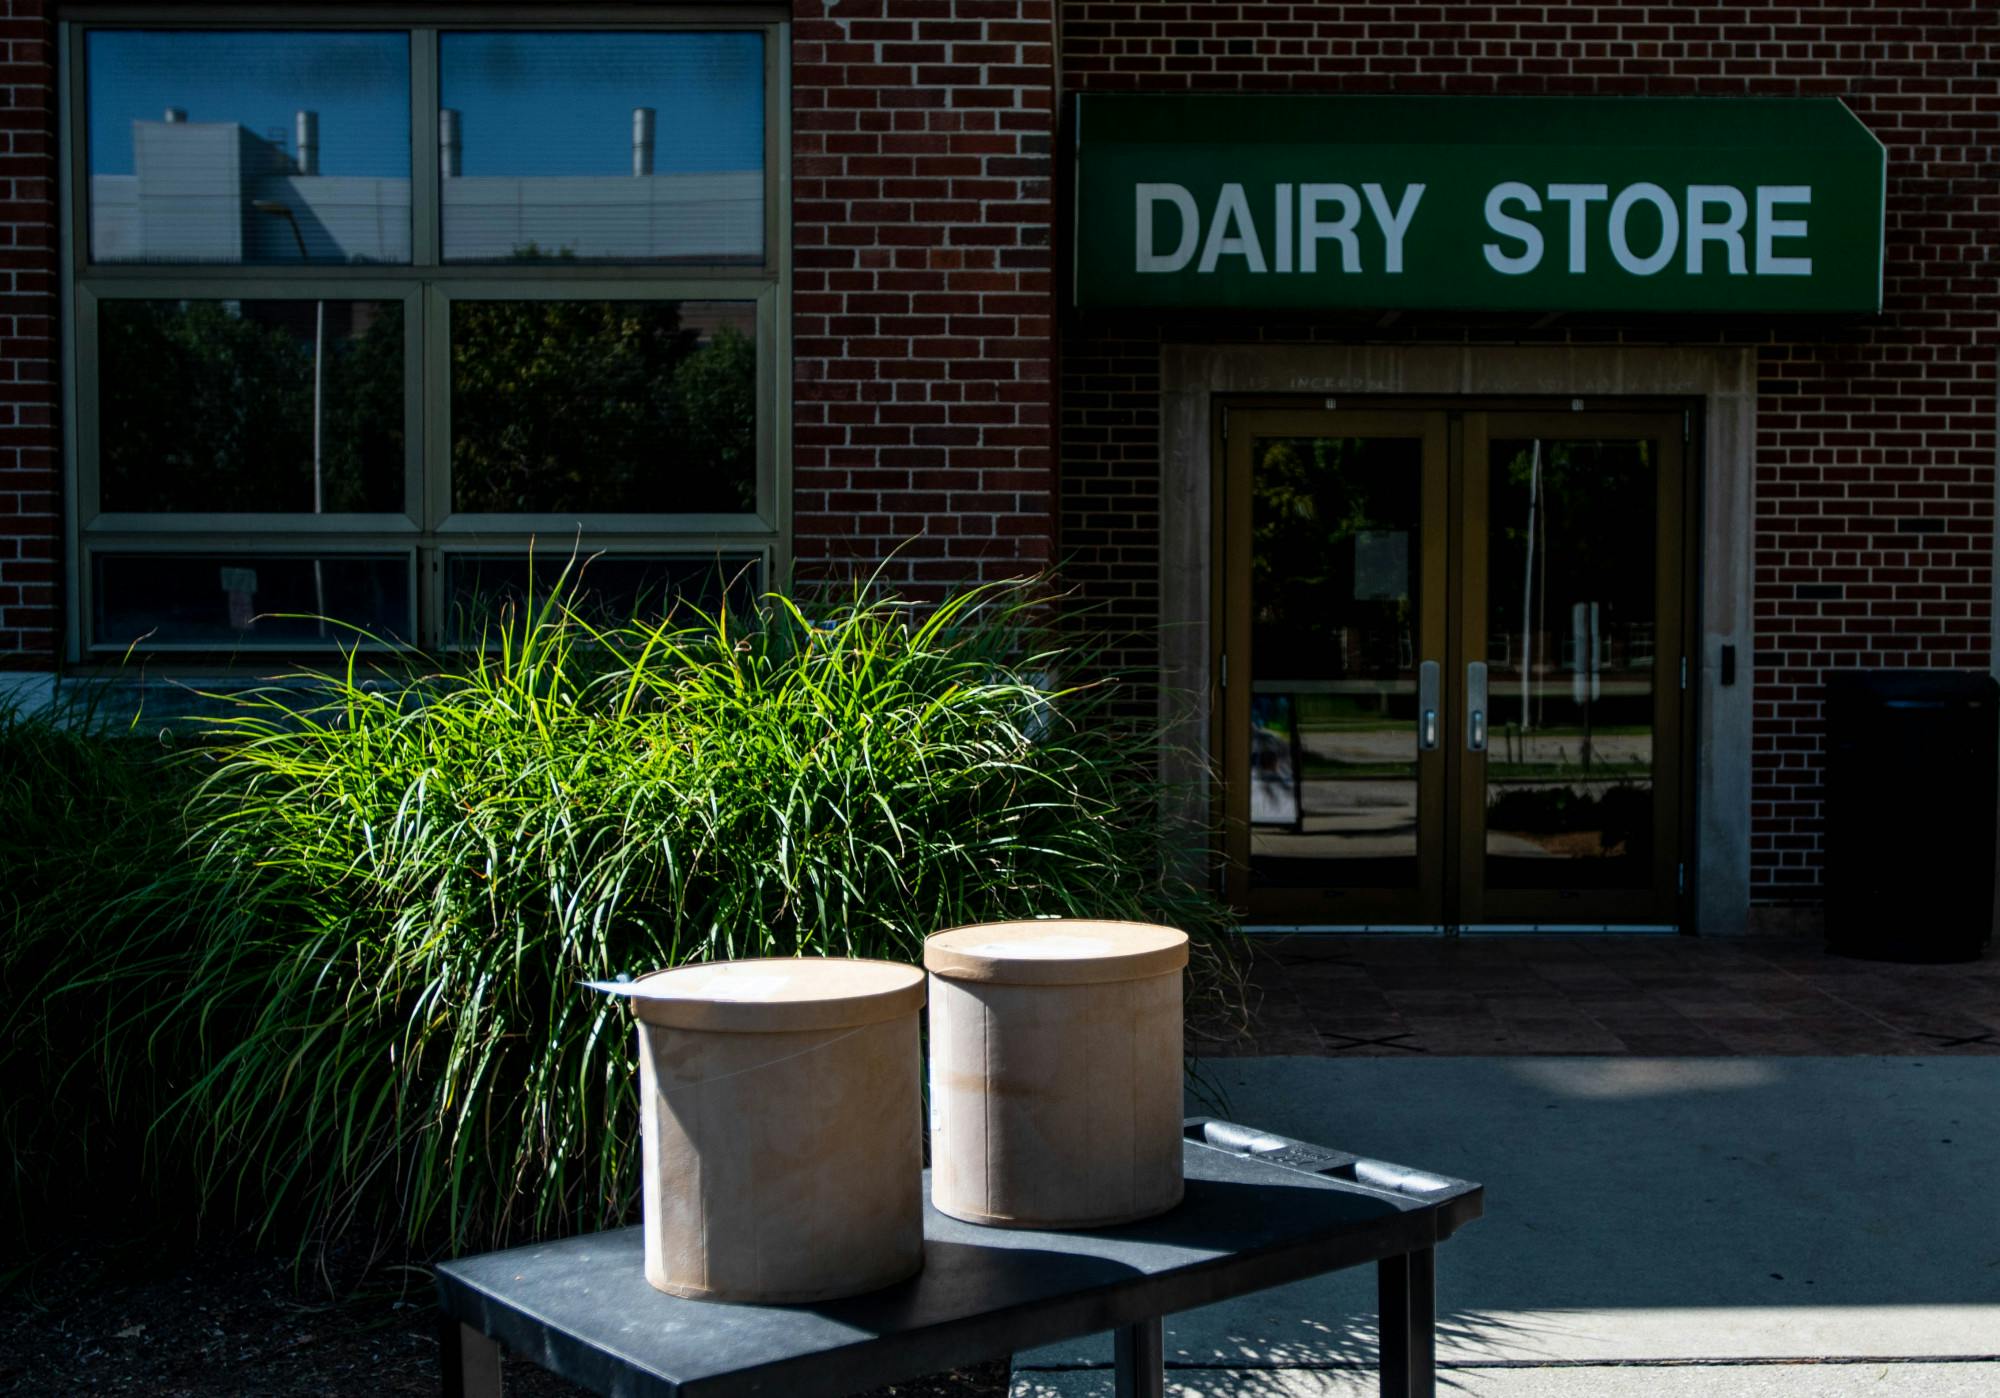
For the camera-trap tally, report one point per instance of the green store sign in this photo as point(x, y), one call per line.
point(1477, 203)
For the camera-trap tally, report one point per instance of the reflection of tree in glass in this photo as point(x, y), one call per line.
point(1594, 532)
point(598, 406)
point(363, 439)
point(207, 405)
point(1618, 817)
point(715, 402)
point(1310, 500)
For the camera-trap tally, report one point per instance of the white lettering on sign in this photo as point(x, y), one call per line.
point(1325, 213)
point(1149, 195)
point(1769, 196)
point(1579, 197)
point(1670, 229)
point(1705, 219)
point(1313, 229)
point(1729, 233)
point(1284, 202)
point(1507, 226)
point(1709, 214)
point(1393, 224)
point(1232, 210)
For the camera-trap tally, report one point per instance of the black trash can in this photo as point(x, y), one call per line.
point(1912, 758)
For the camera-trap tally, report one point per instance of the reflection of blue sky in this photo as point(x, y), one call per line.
point(358, 83)
point(561, 104)
point(532, 103)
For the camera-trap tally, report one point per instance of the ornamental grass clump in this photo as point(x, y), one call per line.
point(371, 1004)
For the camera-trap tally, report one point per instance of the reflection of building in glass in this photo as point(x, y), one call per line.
point(218, 192)
point(194, 187)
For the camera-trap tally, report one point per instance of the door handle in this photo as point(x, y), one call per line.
point(1475, 702)
point(1427, 706)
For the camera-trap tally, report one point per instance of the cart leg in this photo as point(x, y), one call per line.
point(1142, 1359)
point(1408, 1289)
point(471, 1362)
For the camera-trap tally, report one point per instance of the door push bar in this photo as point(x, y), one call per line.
point(1427, 706)
point(1475, 701)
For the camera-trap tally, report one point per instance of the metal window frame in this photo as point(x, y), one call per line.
point(426, 286)
point(290, 544)
point(761, 552)
point(441, 519)
point(89, 299)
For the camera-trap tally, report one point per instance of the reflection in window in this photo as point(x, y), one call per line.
point(1333, 573)
point(227, 601)
point(595, 146)
point(218, 385)
point(241, 147)
point(1333, 614)
point(1572, 598)
point(486, 591)
point(603, 407)
point(208, 406)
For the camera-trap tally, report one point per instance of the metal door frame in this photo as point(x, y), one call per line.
point(1658, 904)
point(1451, 897)
point(1422, 907)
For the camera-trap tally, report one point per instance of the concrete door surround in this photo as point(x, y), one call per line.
point(1724, 380)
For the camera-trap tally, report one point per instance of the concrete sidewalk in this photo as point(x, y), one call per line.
point(1646, 1218)
point(1593, 1381)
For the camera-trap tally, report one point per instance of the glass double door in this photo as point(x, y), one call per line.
point(1451, 687)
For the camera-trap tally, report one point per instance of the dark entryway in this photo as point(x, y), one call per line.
point(1452, 653)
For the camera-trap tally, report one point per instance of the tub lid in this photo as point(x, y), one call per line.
point(1056, 951)
point(776, 994)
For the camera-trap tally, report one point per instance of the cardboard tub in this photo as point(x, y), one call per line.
point(1056, 1072)
point(780, 1104)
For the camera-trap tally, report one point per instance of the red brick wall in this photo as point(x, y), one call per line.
point(924, 312)
point(923, 133)
point(1876, 443)
point(924, 241)
point(29, 462)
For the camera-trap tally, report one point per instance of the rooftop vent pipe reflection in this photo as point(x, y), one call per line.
point(643, 123)
point(450, 136)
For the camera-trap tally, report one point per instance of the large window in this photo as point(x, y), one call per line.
point(376, 328)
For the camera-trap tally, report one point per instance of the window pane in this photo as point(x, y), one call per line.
point(487, 589)
point(603, 407)
point(1571, 614)
point(1336, 528)
point(232, 600)
point(247, 147)
point(209, 406)
point(602, 146)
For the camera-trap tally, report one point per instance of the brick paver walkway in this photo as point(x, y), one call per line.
point(1666, 996)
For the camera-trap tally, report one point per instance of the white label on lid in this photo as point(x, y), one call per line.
point(1055, 946)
